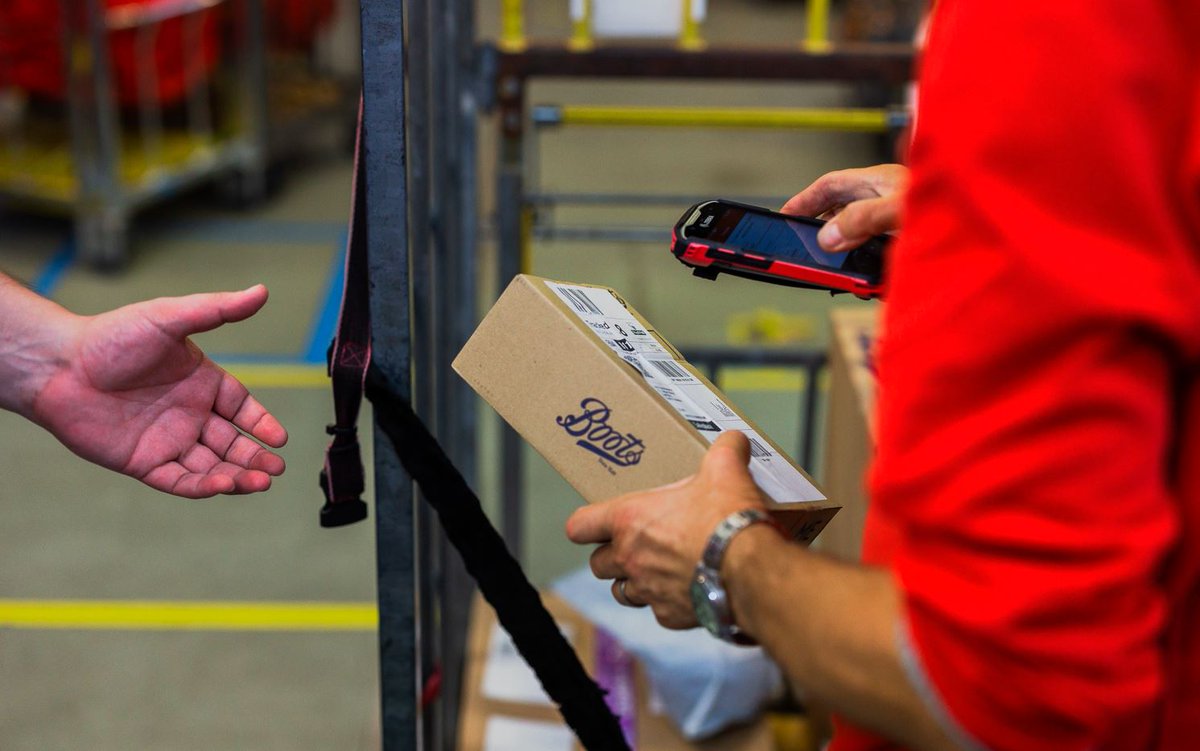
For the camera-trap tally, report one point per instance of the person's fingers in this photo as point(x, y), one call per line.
point(192, 314)
point(591, 524)
point(200, 459)
point(174, 478)
point(729, 454)
point(674, 619)
point(830, 191)
point(858, 221)
point(604, 563)
point(228, 443)
point(625, 593)
point(250, 481)
point(235, 404)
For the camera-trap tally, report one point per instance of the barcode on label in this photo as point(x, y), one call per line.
point(580, 301)
point(758, 449)
point(670, 369)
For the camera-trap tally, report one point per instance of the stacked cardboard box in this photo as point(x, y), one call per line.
point(504, 708)
point(850, 424)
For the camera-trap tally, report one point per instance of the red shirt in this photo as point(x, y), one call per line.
point(1036, 489)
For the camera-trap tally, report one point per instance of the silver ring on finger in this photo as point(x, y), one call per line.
point(622, 597)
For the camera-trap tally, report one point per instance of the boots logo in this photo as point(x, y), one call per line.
point(594, 434)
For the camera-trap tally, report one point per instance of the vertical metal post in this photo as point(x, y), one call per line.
point(816, 37)
point(252, 107)
point(509, 208)
point(811, 372)
point(385, 163)
point(512, 25)
point(101, 215)
point(581, 26)
point(452, 165)
point(425, 287)
point(690, 39)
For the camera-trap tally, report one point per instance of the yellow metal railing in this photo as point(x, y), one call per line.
point(581, 26)
point(689, 34)
point(512, 25)
point(816, 37)
point(861, 120)
point(582, 39)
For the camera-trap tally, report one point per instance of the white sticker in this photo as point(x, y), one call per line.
point(621, 332)
point(518, 734)
point(506, 675)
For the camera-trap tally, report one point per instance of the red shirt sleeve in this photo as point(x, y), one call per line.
point(1046, 283)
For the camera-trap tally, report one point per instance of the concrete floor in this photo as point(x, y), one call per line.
point(71, 530)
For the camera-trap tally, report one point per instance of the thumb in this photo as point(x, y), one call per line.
point(192, 314)
point(855, 224)
point(727, 457)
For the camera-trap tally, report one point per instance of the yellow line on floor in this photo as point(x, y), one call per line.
point(127, 615)
point(281, 376)
point(303, 376)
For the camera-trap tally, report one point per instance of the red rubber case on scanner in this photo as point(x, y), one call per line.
point(708, 258)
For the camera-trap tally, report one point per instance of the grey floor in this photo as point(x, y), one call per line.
point(72, 531)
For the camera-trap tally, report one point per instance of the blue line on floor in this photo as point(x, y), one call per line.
point(325, 324)
point(47, 281)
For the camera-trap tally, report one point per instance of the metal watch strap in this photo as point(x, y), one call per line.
point(714, 549)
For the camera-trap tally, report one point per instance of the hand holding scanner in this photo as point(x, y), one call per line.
point(721, 236)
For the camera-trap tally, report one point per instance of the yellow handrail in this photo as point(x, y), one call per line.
point(861, 120)
point(512, 25)
point(581, 26)
point(689, 34)
point(817, 27)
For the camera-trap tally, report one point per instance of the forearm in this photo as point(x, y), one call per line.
point(33, 337)
point(832, 628)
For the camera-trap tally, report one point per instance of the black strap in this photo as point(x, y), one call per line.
point(349, 356)
point(518, 605)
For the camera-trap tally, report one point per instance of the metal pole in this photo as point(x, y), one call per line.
point(252, 171)
point(385, 163)
point(424, 287)
point(101, 205)
point(452, 155)
point(512, 25)
point(816, 37)
point(509, 207)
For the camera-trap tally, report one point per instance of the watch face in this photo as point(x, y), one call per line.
point(703, 591)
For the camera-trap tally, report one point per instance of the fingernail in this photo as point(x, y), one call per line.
point(830, 236)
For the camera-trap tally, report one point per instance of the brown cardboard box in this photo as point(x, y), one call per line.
point(850, 424)
point(503, 709)
point(610, 404)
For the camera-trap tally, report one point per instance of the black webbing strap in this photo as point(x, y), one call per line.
point(518, 605)
point(349, 356)
point(503, 584)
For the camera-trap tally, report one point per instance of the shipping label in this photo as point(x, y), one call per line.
point(612, 323)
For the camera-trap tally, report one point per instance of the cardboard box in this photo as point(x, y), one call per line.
point(503, 706)
point(611, 404)
point(850, 424)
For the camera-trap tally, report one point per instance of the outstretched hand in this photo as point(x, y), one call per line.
point(857, 203)
point(654, 539)
point(131, 392)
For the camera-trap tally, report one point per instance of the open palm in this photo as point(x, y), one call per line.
point(135, 395)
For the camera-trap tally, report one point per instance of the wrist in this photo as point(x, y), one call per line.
point(748, 557)
point(35, 336)
point(709, 593)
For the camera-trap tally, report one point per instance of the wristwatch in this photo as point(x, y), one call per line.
point(709, 600)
